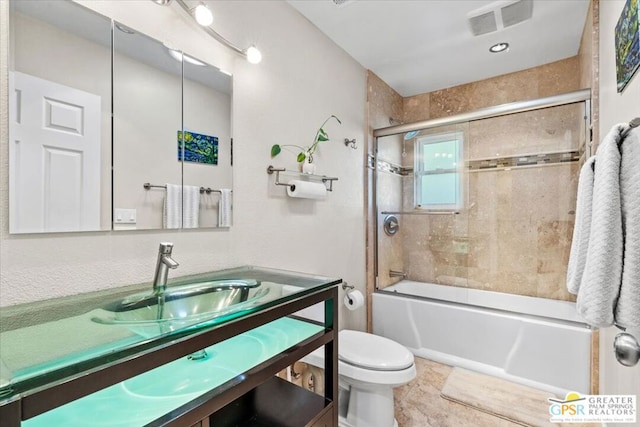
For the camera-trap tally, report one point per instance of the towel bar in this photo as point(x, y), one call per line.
point(208, 190)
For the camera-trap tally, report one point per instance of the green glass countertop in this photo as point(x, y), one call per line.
point(64, 340)
point(146, 397)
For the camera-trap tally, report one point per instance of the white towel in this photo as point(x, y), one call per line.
point(224, 208)
point(582, 227)
point(600, 284)
point(172, 215)
point(628, 308)
point(190, 206)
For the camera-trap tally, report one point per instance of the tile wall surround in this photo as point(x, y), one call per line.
point(383, 103)
point(539, 82)
point(515, 234)
point(589, 59)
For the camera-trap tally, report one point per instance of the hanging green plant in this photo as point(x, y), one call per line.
point(305, 153)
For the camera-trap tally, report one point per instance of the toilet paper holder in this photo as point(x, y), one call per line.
point(323, 178)
point(346, 286)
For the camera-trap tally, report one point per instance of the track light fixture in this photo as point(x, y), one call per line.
point(203, 15)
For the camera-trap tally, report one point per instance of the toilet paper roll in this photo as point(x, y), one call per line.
point(354, 300)
point(306, 189)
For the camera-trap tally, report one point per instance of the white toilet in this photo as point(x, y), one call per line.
point(369, 367)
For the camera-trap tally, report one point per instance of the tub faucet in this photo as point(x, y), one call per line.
point(165, 262)
point(395, 273)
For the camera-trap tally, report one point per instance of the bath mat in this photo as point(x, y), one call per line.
point(514, 402)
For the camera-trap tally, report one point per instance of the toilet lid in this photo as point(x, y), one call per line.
point(372, 351)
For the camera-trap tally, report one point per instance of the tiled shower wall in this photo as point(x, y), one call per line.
point(514, 233)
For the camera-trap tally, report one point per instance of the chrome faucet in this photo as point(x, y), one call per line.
point(165, 262)
point(395, 273)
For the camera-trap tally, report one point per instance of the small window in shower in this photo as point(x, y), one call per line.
point(438, 161)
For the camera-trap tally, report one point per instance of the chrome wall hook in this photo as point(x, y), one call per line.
point(350, 143)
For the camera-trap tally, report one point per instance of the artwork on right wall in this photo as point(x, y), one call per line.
point(627, 39)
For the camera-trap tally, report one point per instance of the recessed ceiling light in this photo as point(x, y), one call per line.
point(499, 47)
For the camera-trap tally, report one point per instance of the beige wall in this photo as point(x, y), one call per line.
point(282, 100)
point(615, 108)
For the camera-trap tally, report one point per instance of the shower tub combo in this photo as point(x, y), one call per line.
point(533, 341)
point(479, 199)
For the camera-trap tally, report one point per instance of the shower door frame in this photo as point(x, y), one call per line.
point(583, 95)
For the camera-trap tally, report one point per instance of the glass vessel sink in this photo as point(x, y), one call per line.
point(177, 307)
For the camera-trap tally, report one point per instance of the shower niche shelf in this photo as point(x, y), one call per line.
point(419, 212)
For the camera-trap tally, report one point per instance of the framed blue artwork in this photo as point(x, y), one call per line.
point(198, 148)
point(627, 39)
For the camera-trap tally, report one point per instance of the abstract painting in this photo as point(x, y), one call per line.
point(627, 39)
point(198, 148)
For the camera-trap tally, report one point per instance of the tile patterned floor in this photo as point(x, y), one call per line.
point(419, 404)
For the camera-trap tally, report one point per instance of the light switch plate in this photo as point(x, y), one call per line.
point(124, 216)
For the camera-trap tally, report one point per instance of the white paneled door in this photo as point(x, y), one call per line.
point(54, 157)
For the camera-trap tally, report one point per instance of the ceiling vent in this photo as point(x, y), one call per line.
point(483, 24)
point(517, 12)
point(498, 15)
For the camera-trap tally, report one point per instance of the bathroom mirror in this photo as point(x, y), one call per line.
point(172, 137)
point(147, 115)
point(60, 118)
point(207, 141)
point(76, 175)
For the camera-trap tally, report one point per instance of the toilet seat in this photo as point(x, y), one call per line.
point(373, 352)
point(369, 358)
point(366, 378)
point(369, 367)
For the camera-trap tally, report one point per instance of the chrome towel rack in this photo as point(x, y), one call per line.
point(208, 190)
point(323, 178)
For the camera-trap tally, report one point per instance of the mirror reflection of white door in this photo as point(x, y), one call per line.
point(54, 157)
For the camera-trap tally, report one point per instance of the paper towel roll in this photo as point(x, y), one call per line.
point(306, 189)
point(354, 300)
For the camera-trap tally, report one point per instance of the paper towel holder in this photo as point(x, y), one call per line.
point(323, 178)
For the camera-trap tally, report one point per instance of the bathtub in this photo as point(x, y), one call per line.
point(537, 342)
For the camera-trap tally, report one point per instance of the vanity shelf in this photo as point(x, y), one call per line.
point(294, 407)
point(48, 391)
